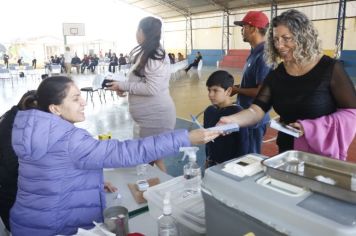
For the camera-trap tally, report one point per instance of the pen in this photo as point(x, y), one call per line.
point(194, 119)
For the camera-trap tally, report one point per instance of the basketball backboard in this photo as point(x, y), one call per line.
point(73, 29)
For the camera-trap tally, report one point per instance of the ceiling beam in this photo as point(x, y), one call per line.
point(174, 7)
point(222, 6)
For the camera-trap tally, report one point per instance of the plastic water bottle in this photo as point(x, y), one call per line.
point(192, 172)
point(167, 225)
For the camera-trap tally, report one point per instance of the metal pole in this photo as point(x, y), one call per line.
point(191, 33)
point(188, 35)
point(273, 9)
point(339, 42)
point(228, 33)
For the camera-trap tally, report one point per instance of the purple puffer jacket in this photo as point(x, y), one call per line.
point(60, 183)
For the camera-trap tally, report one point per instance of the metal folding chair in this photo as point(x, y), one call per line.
point(29, 72)
point(56, 69)
point(5, 74)
point(96, 87)
point(177, 67)
point(196, 70)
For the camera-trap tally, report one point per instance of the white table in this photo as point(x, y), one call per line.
point(142, 223)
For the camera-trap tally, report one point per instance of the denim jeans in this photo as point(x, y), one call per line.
point(256, 137)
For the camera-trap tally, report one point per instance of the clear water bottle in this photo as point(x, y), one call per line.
point(167, 226)
point(192, 172)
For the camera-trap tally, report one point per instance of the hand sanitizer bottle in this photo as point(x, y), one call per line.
point(167, 225)
point(192, 172)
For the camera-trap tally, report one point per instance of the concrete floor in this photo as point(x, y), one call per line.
point(188, 91)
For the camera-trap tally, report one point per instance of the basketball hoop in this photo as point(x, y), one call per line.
point(73, 29)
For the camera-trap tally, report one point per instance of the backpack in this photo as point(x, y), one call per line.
point(21, 75)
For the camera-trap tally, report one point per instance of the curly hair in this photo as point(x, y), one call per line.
point(150, 48)
point(308, 46)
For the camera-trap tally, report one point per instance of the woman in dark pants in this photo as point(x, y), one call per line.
point(8, 160)
point(195, 62)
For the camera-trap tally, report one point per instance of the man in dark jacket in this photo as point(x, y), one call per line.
point(94, 61)
point(195, 63)
point(6, 60)
point(76, 62)
point(8, 160)
point(19, 61)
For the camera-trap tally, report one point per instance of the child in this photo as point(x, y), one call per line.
point(233, 145)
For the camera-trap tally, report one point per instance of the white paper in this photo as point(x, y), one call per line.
point(228, 128)
point(119, 77)
point(285, 128)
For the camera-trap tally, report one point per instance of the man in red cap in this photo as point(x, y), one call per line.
point(254, 27)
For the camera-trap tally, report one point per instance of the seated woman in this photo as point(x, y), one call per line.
point(122, 61)
point(8, 159)
point(180, 56)
point(60, 183)
point(114, 61)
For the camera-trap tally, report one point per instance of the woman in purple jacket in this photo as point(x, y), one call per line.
point(60, 183)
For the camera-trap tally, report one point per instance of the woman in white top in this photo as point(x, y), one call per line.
point(150, 103)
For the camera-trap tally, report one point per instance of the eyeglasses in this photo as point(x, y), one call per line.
point(283, 40)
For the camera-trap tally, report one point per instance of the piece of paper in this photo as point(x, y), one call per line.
point(119, 77)
point(228, 128)
point(285, 128)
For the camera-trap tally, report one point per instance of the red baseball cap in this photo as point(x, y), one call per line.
point(254, 18)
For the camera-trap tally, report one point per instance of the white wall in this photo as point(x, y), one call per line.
point(207, 38)
point(207, 31)
point(350, 34)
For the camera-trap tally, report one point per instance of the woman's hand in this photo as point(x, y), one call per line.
point(225, 120)
point(108, 187)
point(121, 93)
point(201, 136)
point(298, 126)
point(114, 86)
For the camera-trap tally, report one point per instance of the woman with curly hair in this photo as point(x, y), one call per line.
point(304, 85)
point(150, 103)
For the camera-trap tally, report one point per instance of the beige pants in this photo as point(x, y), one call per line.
point(141, 132)
point(68, 67)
